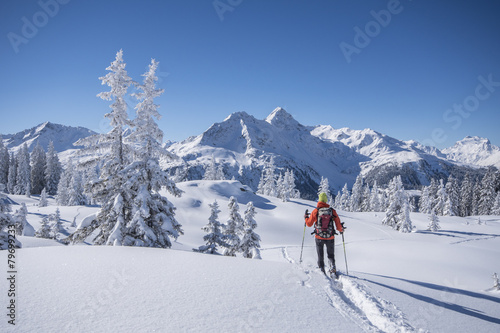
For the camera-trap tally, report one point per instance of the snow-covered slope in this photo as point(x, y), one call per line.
point(417, 282)
point(62, 136)
point(474, 151)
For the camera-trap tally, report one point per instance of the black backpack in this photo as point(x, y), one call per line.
point(323, 227)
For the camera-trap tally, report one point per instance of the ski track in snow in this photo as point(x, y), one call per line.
point(474, 239)
point(353, 300)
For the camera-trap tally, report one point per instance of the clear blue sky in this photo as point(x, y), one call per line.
point(255, 55)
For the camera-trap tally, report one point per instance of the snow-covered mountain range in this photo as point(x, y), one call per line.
point(62, 136)
point(243, 144)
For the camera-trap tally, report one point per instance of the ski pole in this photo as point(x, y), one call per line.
point(303, 236)
point(345, 256)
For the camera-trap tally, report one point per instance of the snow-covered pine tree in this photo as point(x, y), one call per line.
point(453, 191)
point(466, 192)
point(250, 242)
point(4, 163)
point(38, 166)
point(56, 224)
point(53, 170)
point(365, 199)
point(267, 186)
point(424, 204)
point(345, 199)
point(441, 198)
point(233, 229)
point(476, 197)
point(11, 180)
point(324, 187)
point(496, 282)
point(290, 183)
point(44, 230)
point(375, 204)
point(496, 206)
point(63, 188)
point(113, 157)
point(152, 217)
point(20, 219)
point(76, 195)
point(214, 236)
point(433, 222)
point(487, 193)
point(43, 199)
point(23, 178)
point(356, 194)
point(281, 189)
point(220, 172)
point(397, 215)
point(6, 220)
point(211, 170)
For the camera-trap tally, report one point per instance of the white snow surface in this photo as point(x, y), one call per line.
point(418, 282)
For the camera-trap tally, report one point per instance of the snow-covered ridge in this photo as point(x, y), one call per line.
point(62, 136)
point(475, 151)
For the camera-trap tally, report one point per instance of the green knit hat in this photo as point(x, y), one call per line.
point(323, 197)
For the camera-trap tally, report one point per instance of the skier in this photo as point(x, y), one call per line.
point(324, 237)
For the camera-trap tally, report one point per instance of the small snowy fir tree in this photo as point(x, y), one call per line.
point(250, 243)
point(43, 199)
point(487, 193)
point(11, 178)
point(4, 163)
point(479, 222)
point(267, 185)
point(56, 224)
point(496, 206)
point(76, 195)
point(465, 202)
point(433, 222)
point(214, 236)
point(233, 229)
point(356, 195)
point(211, 170)
point(345, 199)
point(44, 230)
point(6, 222)
point(64, 185)
point(38, 166)
point(397, 215)
point(23, 178)
point(375, 204)
point(20, 219)
point(324, 187)
point(496, 282)
point(53, 170)
point(440, 207)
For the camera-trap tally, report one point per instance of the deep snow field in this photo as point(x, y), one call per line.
point(418, 282)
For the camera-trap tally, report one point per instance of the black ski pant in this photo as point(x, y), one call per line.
point(330, 250)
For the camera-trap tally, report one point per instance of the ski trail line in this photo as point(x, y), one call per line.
point(353, 300)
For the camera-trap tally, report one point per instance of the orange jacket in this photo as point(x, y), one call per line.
point(314, 217)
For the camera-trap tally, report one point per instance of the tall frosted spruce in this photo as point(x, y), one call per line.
point(112, 156)
point(150, 219)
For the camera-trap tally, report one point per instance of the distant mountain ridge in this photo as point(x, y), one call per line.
point(62, 136)
point(243, 144)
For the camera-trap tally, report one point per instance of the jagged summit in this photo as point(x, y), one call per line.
point(281, 119)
